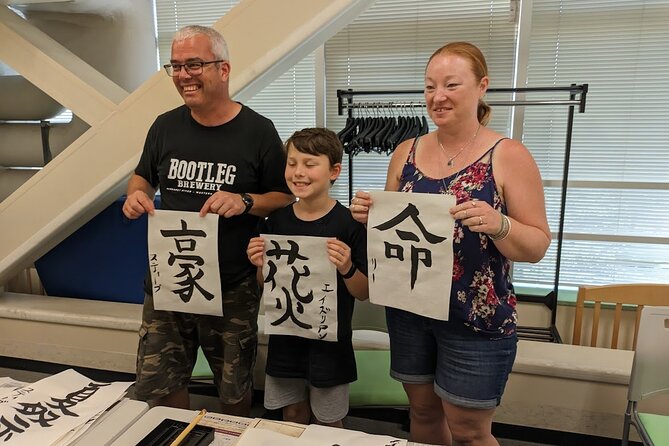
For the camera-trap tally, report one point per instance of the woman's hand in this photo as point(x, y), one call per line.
point(360, 205)
point(256, 250)
point(478, 216)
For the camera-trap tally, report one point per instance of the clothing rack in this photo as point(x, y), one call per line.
point(346, 103)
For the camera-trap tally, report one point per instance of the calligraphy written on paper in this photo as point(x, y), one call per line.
point(323, 311)
point(44, 413)
point(294, 299)
point(187, 260)
point(300, 291)
point(15, 393)
point(418, 252)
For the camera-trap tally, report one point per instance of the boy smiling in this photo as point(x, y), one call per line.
point(317, 385)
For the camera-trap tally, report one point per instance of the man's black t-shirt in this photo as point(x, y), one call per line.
point(322, 363)
point(189, 162)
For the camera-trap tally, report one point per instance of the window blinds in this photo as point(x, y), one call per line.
point(617, 213)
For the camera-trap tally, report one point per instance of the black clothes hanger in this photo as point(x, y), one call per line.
point(380, 132)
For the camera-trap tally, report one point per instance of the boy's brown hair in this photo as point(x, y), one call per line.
point(317, 141)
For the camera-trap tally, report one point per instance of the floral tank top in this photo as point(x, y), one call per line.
point(482, 296)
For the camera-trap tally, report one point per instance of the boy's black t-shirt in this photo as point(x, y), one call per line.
point(322, 363)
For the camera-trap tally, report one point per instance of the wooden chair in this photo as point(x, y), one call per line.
point(625, 294)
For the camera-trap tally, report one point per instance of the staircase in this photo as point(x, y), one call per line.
point(44, 39)
point(29, 136)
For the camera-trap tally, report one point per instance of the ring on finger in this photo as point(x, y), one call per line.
point(473, 204)
point(480, 220)
point(466, 216)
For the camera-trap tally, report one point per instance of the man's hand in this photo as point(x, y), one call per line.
point(226, 204)
point(136, 204)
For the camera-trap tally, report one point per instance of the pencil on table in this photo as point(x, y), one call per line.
point(188, 428)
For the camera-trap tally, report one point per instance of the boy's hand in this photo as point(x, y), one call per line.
point(340, 254)
point(360, 205)
point(255, 251)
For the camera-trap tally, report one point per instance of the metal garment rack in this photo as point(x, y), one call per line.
point(575, 101)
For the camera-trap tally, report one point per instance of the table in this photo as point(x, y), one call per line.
point(152, 418)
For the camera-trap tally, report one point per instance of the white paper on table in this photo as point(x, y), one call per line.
point(7, 387)
point(300, 290)
point(53, 407)
point(183, 261)
point(228, 427)
point(410, 252)
point(317, 435)
point(283, 427)
point(69, 437)
point(10, 383)
point(224, 439)
point(263, 437)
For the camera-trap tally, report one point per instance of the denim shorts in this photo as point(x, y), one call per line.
point(468, 369)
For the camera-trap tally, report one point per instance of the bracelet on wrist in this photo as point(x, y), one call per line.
point(503, 231)
point(350, 273)
point(508, 229)
point(502, 228)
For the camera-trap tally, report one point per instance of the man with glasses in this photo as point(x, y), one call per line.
point(211, 154)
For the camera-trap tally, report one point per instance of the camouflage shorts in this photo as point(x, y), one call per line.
point(169, 341)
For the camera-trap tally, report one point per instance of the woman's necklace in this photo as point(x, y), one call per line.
point(469, 143)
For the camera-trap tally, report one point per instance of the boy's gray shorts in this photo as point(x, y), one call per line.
point(328, 404)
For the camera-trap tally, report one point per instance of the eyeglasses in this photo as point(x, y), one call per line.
point(192, 68)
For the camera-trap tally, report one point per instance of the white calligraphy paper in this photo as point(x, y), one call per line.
point(183, 261)
point(410, 252)
point(262, 437)
point(300, 289)
point(46, 410)
point(8, 387)
point(228, 427)
point(317, 435)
